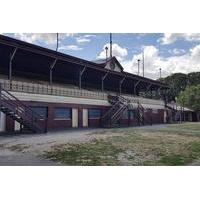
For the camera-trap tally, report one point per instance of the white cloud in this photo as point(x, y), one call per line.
point(84, 38)
point(119, 52)
point(170, 38)
point(177, 51)
point(185, 63)
point(70, 47)
point(47, 38)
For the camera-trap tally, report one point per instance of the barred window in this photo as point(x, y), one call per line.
point(62, 113)
point(42, 111)
point(94, 113)
point(132, 114)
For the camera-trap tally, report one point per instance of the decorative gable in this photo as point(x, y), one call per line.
point(114, 65)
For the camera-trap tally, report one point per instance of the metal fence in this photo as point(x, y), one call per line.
point(45, 89)
point(18, 86)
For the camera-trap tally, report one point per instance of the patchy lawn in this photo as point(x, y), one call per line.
point(174, 145)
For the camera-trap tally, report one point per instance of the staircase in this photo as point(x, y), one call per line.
point(140, 114)
point(20, 112)
point(119, 105)
point(176, 114)
point(111, 117)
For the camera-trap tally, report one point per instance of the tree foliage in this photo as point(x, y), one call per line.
point(178, 83)
point(190, 98)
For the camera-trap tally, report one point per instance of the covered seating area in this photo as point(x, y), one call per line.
point(21, 59)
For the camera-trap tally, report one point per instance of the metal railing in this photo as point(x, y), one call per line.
point(69, 91)
point(9, 104)
point(18, 86)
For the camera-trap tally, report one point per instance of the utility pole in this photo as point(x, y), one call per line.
point(56, 41)
point(106, 48)
point(160, 72)
point(138, 67)
point(111, 45)
point(143, 62)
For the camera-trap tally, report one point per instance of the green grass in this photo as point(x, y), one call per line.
point(172, 146)
point(186, 126)
point(95, 153)
point(175, 160)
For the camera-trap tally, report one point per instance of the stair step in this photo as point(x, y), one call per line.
point(8, 105)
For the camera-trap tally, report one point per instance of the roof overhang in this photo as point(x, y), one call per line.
point(53, 55)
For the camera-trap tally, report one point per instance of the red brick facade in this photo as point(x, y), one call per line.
point(58, 124)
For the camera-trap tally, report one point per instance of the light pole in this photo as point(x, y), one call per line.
point(160, 72)
point(56, 41)
point(106, 48)
point(111, 45)
point(138, 66)
point(143, 62)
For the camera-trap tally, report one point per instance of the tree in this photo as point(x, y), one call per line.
point(177, 83)
point(193, 78)
point(190, 98)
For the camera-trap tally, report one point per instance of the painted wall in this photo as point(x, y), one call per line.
point(79, 108)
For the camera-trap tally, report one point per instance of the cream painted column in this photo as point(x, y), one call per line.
point(2, 122)
point(74, 117)
point(165, 116)
point(85, 117)
point(17, 126)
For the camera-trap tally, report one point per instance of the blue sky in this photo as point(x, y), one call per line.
point(173, 52)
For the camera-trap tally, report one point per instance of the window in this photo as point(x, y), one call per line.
point(125, 115)
point(133, 114)
point(62, 113)
point(42, 111)
point(94, 113)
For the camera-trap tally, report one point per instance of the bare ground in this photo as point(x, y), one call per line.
point(150, 145)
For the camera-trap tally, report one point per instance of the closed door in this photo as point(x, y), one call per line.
point(74, 117)
point(85, 117)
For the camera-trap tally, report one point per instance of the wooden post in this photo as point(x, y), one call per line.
point(80, 77)
point(120, 84)
point(10, 66)
point(135, 86)
point(51, 71)
point(102, 81)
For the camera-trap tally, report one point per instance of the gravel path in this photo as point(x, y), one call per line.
point(24, 149)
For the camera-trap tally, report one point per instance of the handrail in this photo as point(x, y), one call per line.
point(22, 104)
point(18, 108)
point(51, 90)
point(110, 110)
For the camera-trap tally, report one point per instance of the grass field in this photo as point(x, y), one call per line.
point(171, 145)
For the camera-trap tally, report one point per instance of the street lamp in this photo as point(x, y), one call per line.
point(106, 48)
point(138, 66)
point(56, 41)
point(160, 71)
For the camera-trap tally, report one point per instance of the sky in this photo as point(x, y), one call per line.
point(172, 52)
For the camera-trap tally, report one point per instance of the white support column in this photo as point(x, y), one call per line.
point(85, 118)
point(74, 117)
point(17, 126)
point(2, 122)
